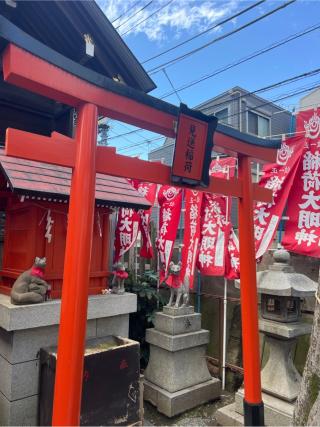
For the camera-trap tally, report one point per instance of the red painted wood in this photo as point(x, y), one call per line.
point(248, 289)
point(71, 90)
point(108, 162)
point(46, 79)
point(28, 144)
point(25, 239)
point(74, 302)
point(226, 144)
point(49, 180)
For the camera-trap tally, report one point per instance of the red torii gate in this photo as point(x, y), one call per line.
point(30, 72)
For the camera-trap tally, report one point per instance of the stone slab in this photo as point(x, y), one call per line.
point(20, 380)
point(24, 345)
point(181, 311)
point(172, 404)
point(14, 317)
point(285, 330)
point(117, 325)
point(177, 342)
point(22, 412)
point(175, 325)
point(227, 416)
point(277, 412)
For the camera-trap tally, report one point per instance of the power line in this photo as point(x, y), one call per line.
point(291, 94)
point(126, 11)
point(224, 21)
point(126, 127)
point(118, 135)
point(255, 54)
point(134, 14)
point(138, 144)
point(244, 59)
point(148, 17)
point(315, 104)
point(269, 102)
point(263, 89)
point(269, 87)
point(301, 90)
point(171, 84)
point(128, 133)
point(222, 37)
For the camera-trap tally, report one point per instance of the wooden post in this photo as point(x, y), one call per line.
point(72, 331)
point(253, 405)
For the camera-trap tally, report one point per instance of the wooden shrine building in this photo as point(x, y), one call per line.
point(34, 207)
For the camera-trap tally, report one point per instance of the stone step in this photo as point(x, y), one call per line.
point(277, 412)
point(172, 404)
point(177, 342)
point(176, 325)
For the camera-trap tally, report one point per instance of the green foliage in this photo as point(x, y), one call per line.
point(149, 302)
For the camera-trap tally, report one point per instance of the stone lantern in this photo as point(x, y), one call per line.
point(282, 290)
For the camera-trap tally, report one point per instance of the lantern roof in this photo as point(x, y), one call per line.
point(45, 181)
point(281, 279)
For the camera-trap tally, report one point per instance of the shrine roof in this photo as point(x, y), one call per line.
point(37, 21)
point(44, 180)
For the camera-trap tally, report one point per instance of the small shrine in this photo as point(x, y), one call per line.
point(34, 203)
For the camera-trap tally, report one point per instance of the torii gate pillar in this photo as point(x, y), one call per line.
point(86, 159)
point(74, 300)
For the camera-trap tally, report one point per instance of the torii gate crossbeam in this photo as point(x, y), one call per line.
point(86, 159)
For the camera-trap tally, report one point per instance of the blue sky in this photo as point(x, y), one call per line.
point(182, 19)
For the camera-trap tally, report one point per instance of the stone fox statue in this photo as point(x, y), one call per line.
point(119, 276)
point(30, 288)
point(178, 288)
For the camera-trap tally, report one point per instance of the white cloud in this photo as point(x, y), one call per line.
point(179, 15)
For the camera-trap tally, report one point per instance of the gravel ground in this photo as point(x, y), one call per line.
point(203, 415)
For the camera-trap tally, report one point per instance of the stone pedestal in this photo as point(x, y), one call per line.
point(27, 328)
point(281, 339)
point(280, 379)
point(177, 377)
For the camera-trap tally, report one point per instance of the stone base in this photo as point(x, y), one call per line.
point(276, 412)
point(171, 404)
point(27, 328)
point(228, 416)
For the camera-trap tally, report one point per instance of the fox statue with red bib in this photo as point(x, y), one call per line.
point(178, 288)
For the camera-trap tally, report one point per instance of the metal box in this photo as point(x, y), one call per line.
point(110, 392)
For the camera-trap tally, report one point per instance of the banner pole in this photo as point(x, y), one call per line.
point(225, 302)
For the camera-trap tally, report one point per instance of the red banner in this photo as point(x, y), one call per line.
point(148, 191)
point(126, 231)
point(191, 238)
point(214, 220)
point(302, 232)
point(169, 199)
point(277, 177)
point(232, 259)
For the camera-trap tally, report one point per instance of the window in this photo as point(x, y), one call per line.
point(258, 125)
point(222, 115)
